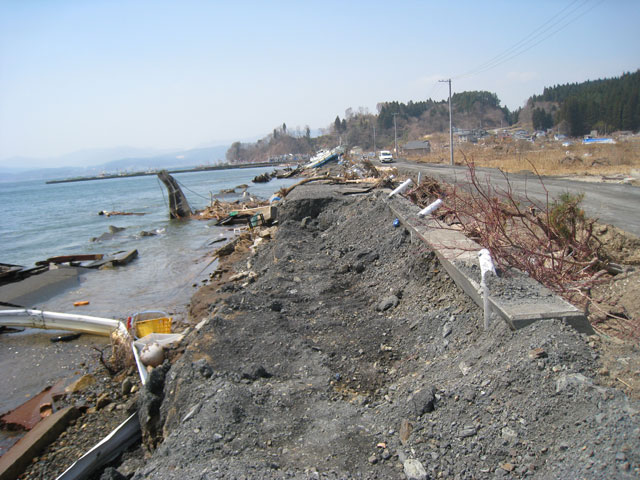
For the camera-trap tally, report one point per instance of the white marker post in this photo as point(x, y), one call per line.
point(401, 188)
point(430, 208)
point(486, 265)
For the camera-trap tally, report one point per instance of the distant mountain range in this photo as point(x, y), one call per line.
point(116, 160)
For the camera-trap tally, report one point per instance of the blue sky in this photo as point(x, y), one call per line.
point(153, 74)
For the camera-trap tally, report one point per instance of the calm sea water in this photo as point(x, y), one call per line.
point(38, 221)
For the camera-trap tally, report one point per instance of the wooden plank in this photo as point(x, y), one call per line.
point(81, 257)
point(117, 259)
point(22, 453)
point(125, 257)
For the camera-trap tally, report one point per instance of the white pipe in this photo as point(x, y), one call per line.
point(430, 208)
point(486, 266)
point(486, 263)
point(401, 188)
point(142, 370)
point(485, 301)
point(58, 321)
point(419, 178)
point(106, 450)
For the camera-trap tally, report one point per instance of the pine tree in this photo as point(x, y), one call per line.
point(337, 125)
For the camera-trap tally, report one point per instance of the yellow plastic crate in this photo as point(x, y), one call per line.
point(154, 325)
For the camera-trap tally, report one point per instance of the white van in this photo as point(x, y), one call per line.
point(385, 156)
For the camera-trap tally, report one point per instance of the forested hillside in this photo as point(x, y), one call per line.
point(280, 142)
point(413, 120)
point(605, 105)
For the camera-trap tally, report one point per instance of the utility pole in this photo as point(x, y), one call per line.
point(395, 133)
point(450, 122)
point(374, 140)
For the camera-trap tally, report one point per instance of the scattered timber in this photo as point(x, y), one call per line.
point(91, 260)
point(110, 214)
point(252, 216)
point(9, 271)
point(288, 172)
point(73, 260)
point(115, 260)
point(219, 210)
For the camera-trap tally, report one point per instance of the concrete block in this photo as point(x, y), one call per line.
point(519, 307)
point(22, 453)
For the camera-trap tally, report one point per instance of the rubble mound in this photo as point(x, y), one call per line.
point(349, 353)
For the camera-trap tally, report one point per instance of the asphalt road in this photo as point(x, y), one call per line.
point(610, 203)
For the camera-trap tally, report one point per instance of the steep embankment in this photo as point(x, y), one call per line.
point(349, 353)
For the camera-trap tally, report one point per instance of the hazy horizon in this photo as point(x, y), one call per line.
point(174, 76)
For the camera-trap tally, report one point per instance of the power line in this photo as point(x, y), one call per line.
point(515, 46)
point(537, 36)
point(435, 85)
point(450, 120)
point(187, 188)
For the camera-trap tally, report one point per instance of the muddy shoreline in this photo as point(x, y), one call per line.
point(345, 351)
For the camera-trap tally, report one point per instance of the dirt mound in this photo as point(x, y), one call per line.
point(618, 245)
point(349, 353)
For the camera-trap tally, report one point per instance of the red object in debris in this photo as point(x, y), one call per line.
point(27, 415)
point(46, 409)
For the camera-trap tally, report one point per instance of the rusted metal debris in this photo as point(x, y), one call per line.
point(27, 415)
point(178, 204)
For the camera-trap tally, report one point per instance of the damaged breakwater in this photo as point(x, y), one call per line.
point(351, 354)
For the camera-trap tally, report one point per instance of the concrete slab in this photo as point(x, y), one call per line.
point(516, 297)
point(38, 288)
point(20, 455)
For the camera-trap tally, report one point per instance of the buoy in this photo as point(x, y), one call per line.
point(81, 304)
point(152, 355)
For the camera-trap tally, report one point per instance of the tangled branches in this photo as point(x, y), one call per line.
point(554, 242)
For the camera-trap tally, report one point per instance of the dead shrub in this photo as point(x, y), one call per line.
point(553, 242)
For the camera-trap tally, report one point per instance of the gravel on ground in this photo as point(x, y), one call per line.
point(341, 349)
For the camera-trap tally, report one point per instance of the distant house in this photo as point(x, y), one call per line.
point(417, 147)
point(470, 136)
point(467, 136)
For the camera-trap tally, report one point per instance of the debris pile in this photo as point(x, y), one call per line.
point(220, 210)
point(555, 243)
point(342, 350)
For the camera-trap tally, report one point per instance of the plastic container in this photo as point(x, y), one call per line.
point(147, 322)
point(155, 325)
